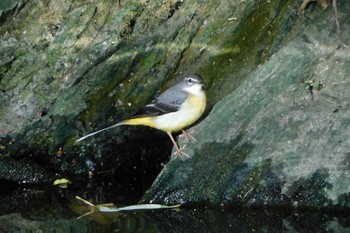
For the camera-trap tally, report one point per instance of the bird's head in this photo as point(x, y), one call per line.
point(193, 84)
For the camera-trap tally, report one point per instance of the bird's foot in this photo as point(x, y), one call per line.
point(180, 153)
point(187, 135)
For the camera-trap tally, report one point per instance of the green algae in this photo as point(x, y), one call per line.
point(234, 47)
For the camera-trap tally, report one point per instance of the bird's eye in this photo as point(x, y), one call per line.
point(189, 80)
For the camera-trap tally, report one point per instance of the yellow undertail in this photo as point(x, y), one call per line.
point(147, 121)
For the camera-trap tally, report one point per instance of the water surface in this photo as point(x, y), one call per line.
point(52, 209)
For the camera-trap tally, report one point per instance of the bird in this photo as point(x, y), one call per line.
point(175, 109)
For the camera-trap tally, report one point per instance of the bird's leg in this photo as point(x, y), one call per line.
point(178, 150)
point(188, 135)
point(174, 142)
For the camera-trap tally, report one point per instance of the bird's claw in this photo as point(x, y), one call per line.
point(188, 135)
point(181, 154)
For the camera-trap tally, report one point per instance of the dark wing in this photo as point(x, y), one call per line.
point(168, 101)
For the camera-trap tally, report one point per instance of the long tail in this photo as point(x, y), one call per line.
point(134, 121)
point(99, 131)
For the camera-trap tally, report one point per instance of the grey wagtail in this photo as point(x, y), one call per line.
point(175, 109)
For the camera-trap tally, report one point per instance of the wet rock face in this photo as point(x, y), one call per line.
point(279, 139)
point(90, 65)
point(87, 66)
point(277, 136)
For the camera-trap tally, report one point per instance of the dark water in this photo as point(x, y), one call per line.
point(51, 209)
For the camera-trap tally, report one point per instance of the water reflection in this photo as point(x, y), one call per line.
point(50, 209)
point(62, 219)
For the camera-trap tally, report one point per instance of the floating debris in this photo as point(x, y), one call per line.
point(62, 183)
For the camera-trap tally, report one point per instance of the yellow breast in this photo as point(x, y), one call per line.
point(190, 111)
